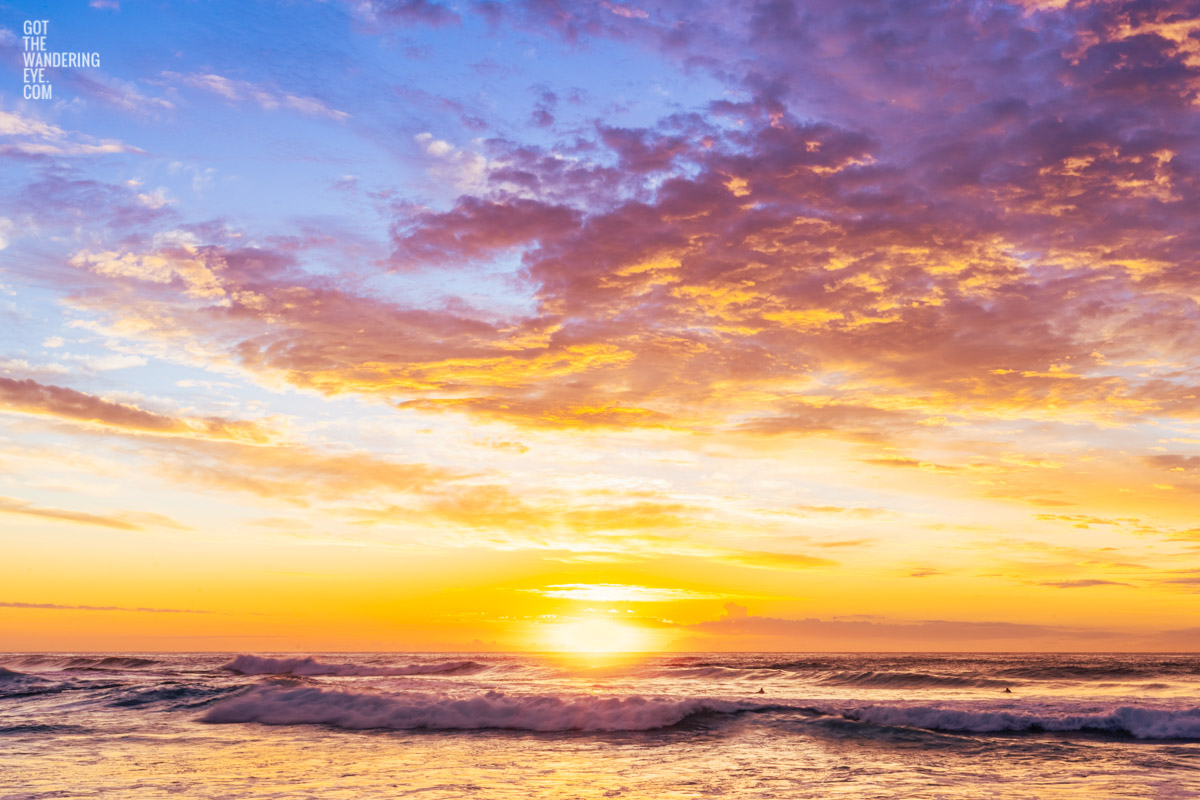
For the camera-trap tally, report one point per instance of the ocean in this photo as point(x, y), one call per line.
point(664, 726)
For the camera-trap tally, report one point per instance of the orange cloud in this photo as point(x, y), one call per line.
point(10, 505)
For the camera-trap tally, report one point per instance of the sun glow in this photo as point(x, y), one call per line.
point(597, 636)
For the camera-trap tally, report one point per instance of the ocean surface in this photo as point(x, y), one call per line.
point(389, 725)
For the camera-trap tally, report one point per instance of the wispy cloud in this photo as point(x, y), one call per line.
point(58, 607)
point(267, 98)
point(1082, 583)
point(31, 397)
point(10, 505)
point(29, 136)
point(621, 593)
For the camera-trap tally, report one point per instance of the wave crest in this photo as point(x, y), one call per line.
point(909, 680)
point(310, 667)
point(1076, 672)
point(1138, 722)
point(360, 711)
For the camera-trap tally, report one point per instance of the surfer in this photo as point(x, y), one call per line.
point(761, 691)
point(1007, 690)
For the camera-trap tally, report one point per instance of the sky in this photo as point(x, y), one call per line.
point(448, 325)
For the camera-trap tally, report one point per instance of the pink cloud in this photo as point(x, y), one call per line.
point(30, 397)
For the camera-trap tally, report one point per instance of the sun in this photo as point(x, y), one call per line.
point(597, 636)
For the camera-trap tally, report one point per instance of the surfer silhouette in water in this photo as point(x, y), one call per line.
point(761, 691)
point(1007, 690)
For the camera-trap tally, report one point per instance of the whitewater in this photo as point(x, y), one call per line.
point(275, 725)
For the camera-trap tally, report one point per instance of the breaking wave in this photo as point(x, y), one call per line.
point(293, 705)
point(1134, 721)
point(360, 711)
point(257, 665)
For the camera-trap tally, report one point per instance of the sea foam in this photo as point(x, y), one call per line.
point(358, 710)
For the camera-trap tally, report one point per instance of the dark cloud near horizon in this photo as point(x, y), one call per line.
point(863, 632)
point(59, 607)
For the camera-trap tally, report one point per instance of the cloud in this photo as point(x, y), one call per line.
point(846, 543)
point(107, 362)
point(476, 228)
point(300, 475)
point(269, 99)
point(543, 109)
point(124, 95)
point(30, 397)
point(910, 233)
point(58, 607)
point(124, 521)
point(32, 137)
point(384, 14)
point(620, 593)
point(449, 508)
point(10, 505)
point(464, 169)
point(735, 611)
point(773, 633)
point(1082, 583)
point(1172, 463)
point(769, 560)
point(183, 262)
point(855, 512)
point(939, 257)
point(629, 12)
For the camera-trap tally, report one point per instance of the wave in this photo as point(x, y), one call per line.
point(309, 666)
point(289, 705)
point(910, 680)
point(1137, 722)
point(83, 663)
point(29, 661)
point(798, 666)
point(1081, 671)
point(40, 730)
point(19, 684)
point(111, 662)
point(412, 711)
point(715, 673)
point(173, 696)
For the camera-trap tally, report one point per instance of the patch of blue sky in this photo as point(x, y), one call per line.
point(240, 120)
point(240, 82)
